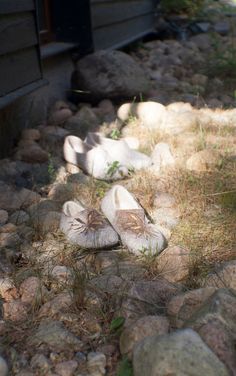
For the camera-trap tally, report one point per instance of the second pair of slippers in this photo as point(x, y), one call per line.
point(125, 219)
point(103, 158)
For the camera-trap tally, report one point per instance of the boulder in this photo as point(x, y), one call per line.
point(179, 353)
point(108, 75)
point(144, 327)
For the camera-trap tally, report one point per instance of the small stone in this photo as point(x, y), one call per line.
point(62, 273)
point(59, 116)
point(31, 153)
point(66, 368)
point(19, 217)
point(162, 157)
point(8, 228)
point(8, 290)
point(82, 122)
point(167, 217)
point(179, 107)
point(163, 200)
point(105, 259)
point(62, 192)
point(56, 336)
point(30, 134)
point(40, 361)
point(204, 160)
point(179, 122)
point(224, 276)
point(62, 302)
point(144, 327)
point(12, 199)
point(174, 263)
point(32, 291)
point(15, 310)
point(96, 363)
point(3, 217)
point(199, 79)
point(3, 367)
point(72, 169)
point(179, 353)
point(127, 270)
point(52, 134)
point(181, 307)
point(151, 114)
point(10, 239)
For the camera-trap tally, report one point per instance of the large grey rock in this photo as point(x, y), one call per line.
point(109, 74)
point(215, 321)
point(180, 353)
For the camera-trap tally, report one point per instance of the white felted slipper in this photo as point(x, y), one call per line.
point(86, 227)
point(93, 160)
point(129, 220)
point(120, 151)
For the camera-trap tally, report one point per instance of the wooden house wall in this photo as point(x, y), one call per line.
point(118, 22)
point(19, 50)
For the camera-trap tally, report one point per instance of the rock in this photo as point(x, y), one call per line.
point(66, 368)
point(30, 134)
point(179, 107)
point(32, 291)
point(62, 192)
point(3, 367)
point(9, 239)
point(163, 200)
point(15, 310)
point(179, 353)
point(3, 217)
point(19, 217)
point(53, 334)
point(107, 283)
point(147, 298)
point(150, 114)
point(174, 263)
point(96, 363)
point(215, 321)
point(8, 290)
point(44, 216)
point(53, 135)
point(62, 302)
point(179, 122)
point(14, 199)
point(204, 160)
point(72, 169)
point(162, 157)
point(202, 41)
point(62, 274)
point(82, 122)
point(31, 152)
point(140, 329)
point(199, 79)
point(224, 276)
point(127, 270)
point(40, 361)
point(105, 259)
point(181, 307)
point(109, 75)
point(59, 116)
point(222, 27)
point(167, 217)
point(9, 228)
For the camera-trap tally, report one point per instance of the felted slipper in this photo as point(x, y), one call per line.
point(93, 160)
point(129, 220)
point(86, 227)
point(120, 151)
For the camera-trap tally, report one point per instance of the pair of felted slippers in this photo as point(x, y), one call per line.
point(125, 218)
point(104, 158)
